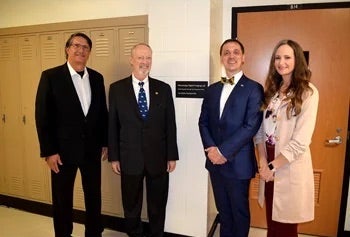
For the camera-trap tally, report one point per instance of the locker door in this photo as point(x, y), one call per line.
point(51, 50)
point(11, 118)
point(3, 188)
point(36, 170)
point(104, 59)
point(78, 195)
point(103, 56)
point(127, 38)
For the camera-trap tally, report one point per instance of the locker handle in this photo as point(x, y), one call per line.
point(3, 118)
point(24, 119)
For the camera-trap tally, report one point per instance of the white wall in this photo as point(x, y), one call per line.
point(181, 54)
point(179, 33)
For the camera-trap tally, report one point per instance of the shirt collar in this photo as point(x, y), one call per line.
point(73, 72)
point(238, 76)
point(136, 81)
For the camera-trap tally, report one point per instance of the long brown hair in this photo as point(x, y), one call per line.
point(299, 80)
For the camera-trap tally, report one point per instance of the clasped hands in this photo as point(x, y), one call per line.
point(265, 173)
point(215, 156)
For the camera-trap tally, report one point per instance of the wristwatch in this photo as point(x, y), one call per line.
point(271, 167)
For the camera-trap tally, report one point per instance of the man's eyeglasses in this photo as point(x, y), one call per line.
point(79, 46)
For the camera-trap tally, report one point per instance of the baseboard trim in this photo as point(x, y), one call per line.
point(110, 222)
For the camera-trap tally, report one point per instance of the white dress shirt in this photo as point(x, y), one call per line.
point(227, 89)
point(82, 87)
point(135, 84)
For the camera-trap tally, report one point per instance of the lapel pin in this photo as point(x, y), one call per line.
point(156, 92)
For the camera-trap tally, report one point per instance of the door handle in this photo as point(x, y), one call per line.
point(335, 141)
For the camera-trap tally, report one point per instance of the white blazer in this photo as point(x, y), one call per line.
point(293, 200)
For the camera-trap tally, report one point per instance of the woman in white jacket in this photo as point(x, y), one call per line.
point(283, 141)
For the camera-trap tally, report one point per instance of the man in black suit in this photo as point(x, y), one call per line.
point(72, 119)
point(142, 142)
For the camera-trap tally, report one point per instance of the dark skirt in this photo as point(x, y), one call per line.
point(274, 228)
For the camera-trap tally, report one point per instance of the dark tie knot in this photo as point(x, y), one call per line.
point(228, 80)
point(141, 84)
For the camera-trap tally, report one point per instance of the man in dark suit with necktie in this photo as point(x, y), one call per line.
point(230, 117)
point(142, 142)
point(72, 119)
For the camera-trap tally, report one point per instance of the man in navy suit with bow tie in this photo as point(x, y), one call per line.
point(230, 117)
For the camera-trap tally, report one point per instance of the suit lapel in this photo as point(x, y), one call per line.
point(216, 100)
point(93, 88)
point(153, 95)
point(130, 97)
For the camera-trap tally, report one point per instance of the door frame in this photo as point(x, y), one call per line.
point(345, 189)
point(295, 7)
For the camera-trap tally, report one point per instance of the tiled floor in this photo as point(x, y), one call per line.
point(17, 223)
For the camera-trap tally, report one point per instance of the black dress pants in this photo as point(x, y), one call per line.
point(62, 198)
point(157, 196)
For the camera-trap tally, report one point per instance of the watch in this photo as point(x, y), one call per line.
point(271, 167)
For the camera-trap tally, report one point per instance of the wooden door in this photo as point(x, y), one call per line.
point(324, 34)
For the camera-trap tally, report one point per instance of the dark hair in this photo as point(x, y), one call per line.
point(78, 34)
point(232, 41)
point(299, 80)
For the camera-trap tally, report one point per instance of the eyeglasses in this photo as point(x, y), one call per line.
point(79, 46)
